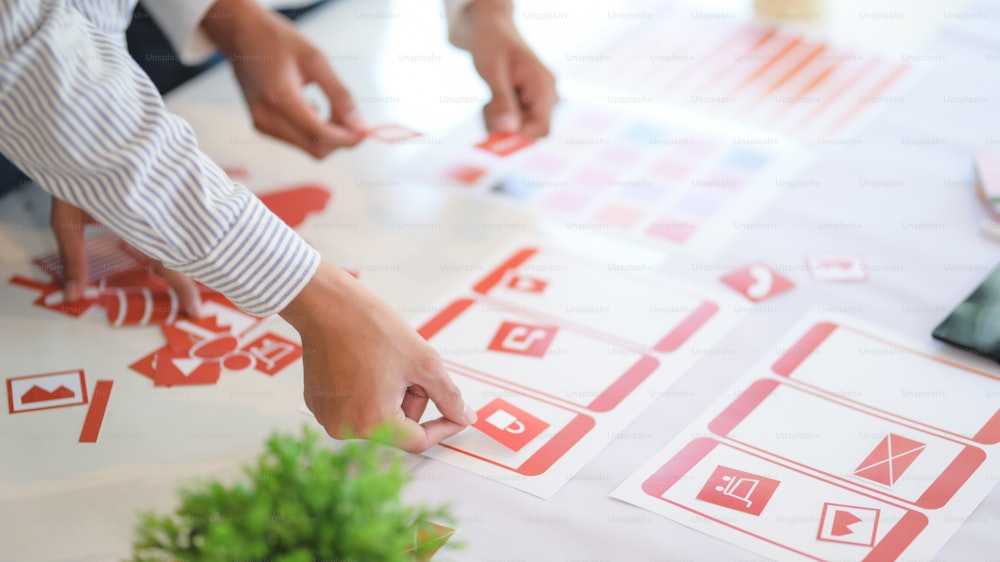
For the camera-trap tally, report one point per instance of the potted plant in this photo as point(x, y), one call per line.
point(300, 502)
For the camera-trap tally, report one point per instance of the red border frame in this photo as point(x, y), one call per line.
point(889, 548)
point(935, 496)
point(785, 366)
point(551, 451)
point(83, 388)
point(606, 401)
point(669, 343)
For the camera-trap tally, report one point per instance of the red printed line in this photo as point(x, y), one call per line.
point(95, 414)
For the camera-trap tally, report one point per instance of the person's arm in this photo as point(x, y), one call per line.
point(524, 90)
point(81, 119)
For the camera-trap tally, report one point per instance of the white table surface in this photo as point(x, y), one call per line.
point(918, 232)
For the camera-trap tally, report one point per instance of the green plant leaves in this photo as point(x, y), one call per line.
point(300, 502)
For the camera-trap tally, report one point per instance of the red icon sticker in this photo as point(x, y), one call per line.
point(41, 392)
point(272, 353)
point(848, 524)
point(735, 489)
point(523, 339)
point(757, 282)
point(511, 426)
point(837, 268)
point(891, 457)
point(505, 144)
point(392, 133)
point(525, 284)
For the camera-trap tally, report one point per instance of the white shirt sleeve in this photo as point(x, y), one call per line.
point(79, 117)
point(180, 21)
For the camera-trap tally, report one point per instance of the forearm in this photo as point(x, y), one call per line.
point(80, 118)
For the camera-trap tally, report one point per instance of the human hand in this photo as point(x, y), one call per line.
point(68, 223)
point(524, 91)
point(364, 366)
point(272, 62)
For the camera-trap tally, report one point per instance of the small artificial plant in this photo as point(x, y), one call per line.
point(302, 502)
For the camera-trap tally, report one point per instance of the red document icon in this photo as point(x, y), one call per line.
point(735, 489)
point(523, 339)
point(527, 284)
point(272, 353)
point(757, 282)
point(891, 457)
point(505, 144)
point(511, 426)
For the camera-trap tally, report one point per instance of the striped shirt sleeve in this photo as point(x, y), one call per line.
point(82, 119)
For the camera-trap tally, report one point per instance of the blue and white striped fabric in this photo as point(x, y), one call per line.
point(81, 119)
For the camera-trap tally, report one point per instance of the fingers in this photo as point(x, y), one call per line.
point(417, 438)
point(342, 109)
point(503, 113)
point(68, 223)
point(538, 98)
point(186, 289)
point(435, 381)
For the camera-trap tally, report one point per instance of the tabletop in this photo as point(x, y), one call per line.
point(897, 188)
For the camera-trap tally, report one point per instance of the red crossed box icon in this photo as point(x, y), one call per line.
point(511, 426)
point(523, 339)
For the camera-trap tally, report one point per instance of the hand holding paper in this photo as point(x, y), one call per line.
point(364, 366)
point(272, 62)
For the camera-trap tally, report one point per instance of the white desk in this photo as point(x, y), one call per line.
point(63, 501)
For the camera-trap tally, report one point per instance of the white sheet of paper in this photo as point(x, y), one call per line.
point(842, 444)
point(667, 178)
point(558, 355)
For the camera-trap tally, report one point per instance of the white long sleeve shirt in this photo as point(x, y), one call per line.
point(79, 117)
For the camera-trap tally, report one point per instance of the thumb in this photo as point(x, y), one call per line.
point(503, 112)
point(187, 291)
point(445, 395)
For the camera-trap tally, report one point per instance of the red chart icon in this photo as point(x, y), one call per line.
point(511, 426)
point(848, 524)
point(739, 490)
point(523, 339)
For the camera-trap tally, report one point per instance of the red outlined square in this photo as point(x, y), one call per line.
point(43, 392)
point(848, 524)
point(757, 282)
point(505, 144)
point(891, 457)
point(739, 490)
point(511, 426)
point(273, 353)
point(523, 339)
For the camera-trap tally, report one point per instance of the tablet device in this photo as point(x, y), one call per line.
point(975, 323)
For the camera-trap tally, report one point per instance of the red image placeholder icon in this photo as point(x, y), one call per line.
point(757, 282)
point(523, 339)
point(511, 426)
point(527, 284)
point(891, 457)
point(848, 524)
point(505, 144)
point(735, 489)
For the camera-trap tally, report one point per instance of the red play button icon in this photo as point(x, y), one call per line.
point(848, 524)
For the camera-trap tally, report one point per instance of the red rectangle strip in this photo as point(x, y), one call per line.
point(95, 414)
